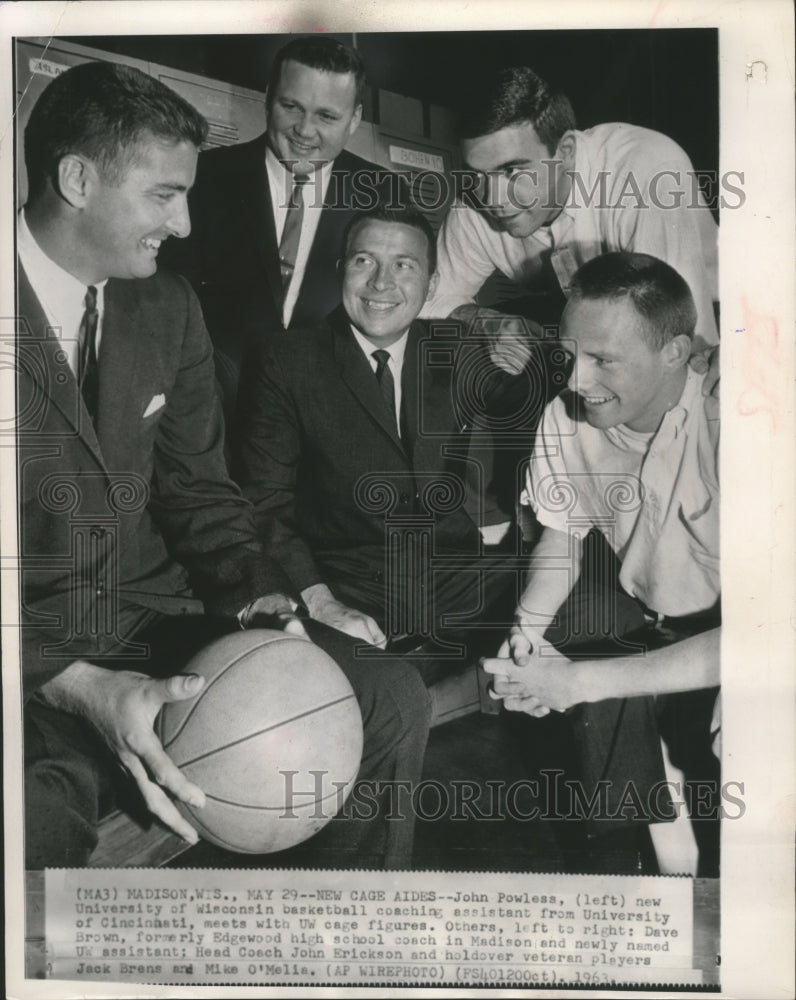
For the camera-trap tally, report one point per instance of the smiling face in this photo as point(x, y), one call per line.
point(618, 376)
point(386, 279)
point(521, 184)
point(124, 221)
point(311, 115)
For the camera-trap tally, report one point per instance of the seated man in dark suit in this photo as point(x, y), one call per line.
point(268, 215)
point(130, 527)
point(354, 438)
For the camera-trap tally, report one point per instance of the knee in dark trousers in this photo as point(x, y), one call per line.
point(396, 712)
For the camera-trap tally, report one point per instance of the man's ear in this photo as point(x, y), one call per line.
point(433, 281)
point(357, 118)
point(75, 177)
point(565, 150)
point(677, 351)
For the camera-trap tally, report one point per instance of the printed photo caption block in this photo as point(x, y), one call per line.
point(314, 928)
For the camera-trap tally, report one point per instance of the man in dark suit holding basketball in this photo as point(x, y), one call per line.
point(268, 215)
point(130, 527)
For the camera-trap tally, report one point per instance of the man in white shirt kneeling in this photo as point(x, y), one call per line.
point(629, 451)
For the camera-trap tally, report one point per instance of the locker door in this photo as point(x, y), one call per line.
point(38, 61)
point(428, 163)
point(234, 114)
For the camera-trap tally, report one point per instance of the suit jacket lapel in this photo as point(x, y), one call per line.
point(357, 374)
point(319, 284)
point(336, 212)
point(429, 402)
point(411, 404)
point(53, 381)
point(125, 331)
point(252, 176)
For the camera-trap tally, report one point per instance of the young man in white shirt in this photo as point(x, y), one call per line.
point(630, 451)
point(547, 197)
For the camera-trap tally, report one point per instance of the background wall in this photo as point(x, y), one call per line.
point(662, 79)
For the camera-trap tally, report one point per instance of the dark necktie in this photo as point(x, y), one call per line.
point(288, 245)
point(386, 381)
point(88, 369)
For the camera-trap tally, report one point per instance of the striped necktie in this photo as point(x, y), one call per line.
point(288, 245)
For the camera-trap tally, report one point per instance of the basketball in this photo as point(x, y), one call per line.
point(274, 739)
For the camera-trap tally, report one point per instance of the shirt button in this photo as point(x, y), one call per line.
point(404, 498)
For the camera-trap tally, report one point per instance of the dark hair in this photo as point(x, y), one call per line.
point(511, 97)
point(319, 52)
point(103, 110)
point(405, 216)
point(661, 296)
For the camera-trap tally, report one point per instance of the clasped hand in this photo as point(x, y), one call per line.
point(530, 676)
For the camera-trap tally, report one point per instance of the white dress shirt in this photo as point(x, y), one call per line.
point(655, 497)
point(396, 362)
point(280, 183)
point(61, 295)
point(602, 214)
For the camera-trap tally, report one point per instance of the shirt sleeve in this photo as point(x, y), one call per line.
point(207, 524)
point(548, 486)
point(464, 262)
point(267, 463)
point(675, 225)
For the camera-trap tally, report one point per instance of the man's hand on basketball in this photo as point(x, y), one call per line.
point(122, 706)
point(530, 676)
point(273, 611)
point(324, 607)
point(510, 338)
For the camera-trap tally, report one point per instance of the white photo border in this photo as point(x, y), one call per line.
point(757, 398)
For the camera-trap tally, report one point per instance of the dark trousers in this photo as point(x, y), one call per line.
point(466, 611)
point(71, 779)
point(610, 751)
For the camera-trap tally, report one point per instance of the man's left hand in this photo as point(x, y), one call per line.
point(543, 680)
point(273, 611)
point(510, 338)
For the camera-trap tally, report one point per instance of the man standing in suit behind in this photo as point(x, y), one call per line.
point(268, 215)
point(356, 428)
point(130, 527)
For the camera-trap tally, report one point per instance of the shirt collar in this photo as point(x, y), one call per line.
point(690, 398)
point(674, 419)
point(581, 168)
point(54, 286)
point(396, 350)
point(284, 177)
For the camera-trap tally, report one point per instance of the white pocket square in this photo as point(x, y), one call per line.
point(155, 404)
